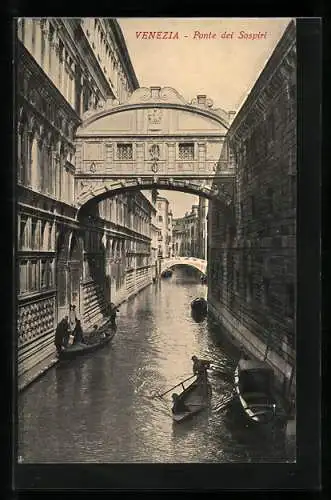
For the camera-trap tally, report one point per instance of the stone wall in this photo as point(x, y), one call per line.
point(252, 254)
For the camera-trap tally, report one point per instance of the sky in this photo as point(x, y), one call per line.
point(225, 69)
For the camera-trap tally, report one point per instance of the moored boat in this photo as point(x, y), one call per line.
point(199, 305)
point(195, 398)
point(80, 348)
point(253, 381)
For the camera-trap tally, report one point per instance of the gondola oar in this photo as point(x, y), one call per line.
point(177, 385)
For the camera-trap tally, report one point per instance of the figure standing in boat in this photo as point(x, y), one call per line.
point(113, 313)
point(62, 334)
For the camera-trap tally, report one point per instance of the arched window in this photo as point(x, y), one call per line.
point(19, 154)
point(49, 186)
point(44, 167)
point(34, 163)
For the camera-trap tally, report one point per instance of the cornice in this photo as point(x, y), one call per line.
point(127, 107)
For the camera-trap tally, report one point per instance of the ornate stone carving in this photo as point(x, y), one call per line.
point(154, 152)
point(155, 116)
point(35, 319)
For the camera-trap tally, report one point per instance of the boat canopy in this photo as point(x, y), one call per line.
point(255, 377)
point(251, 365)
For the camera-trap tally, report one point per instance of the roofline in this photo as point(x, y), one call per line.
point(124, 52)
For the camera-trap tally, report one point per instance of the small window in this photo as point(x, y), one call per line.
point(160, 218)
point(186, 151)
point(124, 152)
point(23, 236)
point(23, 284)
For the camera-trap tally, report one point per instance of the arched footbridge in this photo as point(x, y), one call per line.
point(199, 264)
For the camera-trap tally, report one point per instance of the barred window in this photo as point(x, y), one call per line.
point(124, 152)
point(186, 151)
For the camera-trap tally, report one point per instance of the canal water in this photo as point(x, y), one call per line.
point(101, 408)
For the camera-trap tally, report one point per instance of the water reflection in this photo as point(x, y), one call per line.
point(99, 408)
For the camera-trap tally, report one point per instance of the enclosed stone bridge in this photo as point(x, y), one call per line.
point(154, 140)
point(199, 264)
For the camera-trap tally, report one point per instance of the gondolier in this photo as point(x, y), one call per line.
point(113, 312)
point(61, 334)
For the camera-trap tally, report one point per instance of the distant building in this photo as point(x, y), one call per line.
point(190, 232)
point(163, 219)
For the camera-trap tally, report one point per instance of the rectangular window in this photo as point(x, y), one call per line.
point(23, 284)
point(49, 239)
point(186, 151)
point(124, 152)
point(35, 235)
point(43, 274)
point(33, 275)
point(23, 234)
point(160, 218)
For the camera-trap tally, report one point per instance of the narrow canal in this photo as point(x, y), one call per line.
point(99, 408)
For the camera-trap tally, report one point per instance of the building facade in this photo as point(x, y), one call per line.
point(252, 254)
point(164, 225)
point(66, 68)
point(190, 232)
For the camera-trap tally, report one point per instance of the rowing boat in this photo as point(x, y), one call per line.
point(195, 397)
point(199, 306)
point(253, 385)
point(79, 349)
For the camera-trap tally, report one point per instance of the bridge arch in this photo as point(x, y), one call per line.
point(199, 264)
point(154, 140)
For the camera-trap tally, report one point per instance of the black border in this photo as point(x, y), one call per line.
point(305, 474)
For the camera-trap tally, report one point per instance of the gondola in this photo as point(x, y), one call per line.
point(253, 382)
point(199, 305)
point(196, 398)
point(79, 349)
